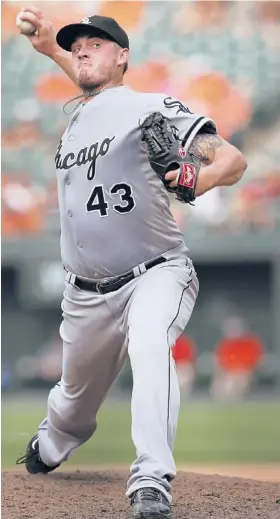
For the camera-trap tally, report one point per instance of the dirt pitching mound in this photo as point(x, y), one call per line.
point(101, 495)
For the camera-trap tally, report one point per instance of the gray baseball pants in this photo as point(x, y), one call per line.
point(143, 319)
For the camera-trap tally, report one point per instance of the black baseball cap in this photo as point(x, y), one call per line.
point(102, 26)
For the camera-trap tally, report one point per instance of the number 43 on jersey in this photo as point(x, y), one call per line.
point(97, 200)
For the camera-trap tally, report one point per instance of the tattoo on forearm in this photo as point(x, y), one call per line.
point(204, 146)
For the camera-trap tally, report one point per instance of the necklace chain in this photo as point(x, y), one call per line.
point(85, 96)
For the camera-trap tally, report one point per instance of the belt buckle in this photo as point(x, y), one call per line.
point(99, 288)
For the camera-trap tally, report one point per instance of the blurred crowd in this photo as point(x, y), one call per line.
point(221, 58)
point(226, 371)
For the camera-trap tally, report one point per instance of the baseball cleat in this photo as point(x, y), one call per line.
point(32, 460)
point(150, 503)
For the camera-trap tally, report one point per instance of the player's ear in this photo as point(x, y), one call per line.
point(123, 56)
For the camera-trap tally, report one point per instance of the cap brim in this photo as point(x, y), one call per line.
point(68, 34)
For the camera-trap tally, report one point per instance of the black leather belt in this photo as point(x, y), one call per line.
point(111, 286)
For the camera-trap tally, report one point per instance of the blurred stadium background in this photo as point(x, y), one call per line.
point(221, 59)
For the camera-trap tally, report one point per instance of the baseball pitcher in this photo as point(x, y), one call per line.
point(130, 286)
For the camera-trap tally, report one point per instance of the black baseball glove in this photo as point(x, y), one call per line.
point(166, 153)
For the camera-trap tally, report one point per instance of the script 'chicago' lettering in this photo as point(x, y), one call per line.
point(84, 156)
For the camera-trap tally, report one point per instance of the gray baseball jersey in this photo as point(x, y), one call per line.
point(114, 210)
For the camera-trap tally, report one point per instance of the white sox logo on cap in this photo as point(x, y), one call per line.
point(182, 152)
point(86, 20)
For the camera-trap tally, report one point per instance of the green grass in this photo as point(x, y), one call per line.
point(207, 433)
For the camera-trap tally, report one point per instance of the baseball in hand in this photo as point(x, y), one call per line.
point(25, 27)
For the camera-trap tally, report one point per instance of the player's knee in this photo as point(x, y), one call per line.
point(148, 342)
point(69, 422)
point(68, 416)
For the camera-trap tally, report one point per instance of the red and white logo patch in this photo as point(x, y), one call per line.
point(182, 152)
point(187, 176)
